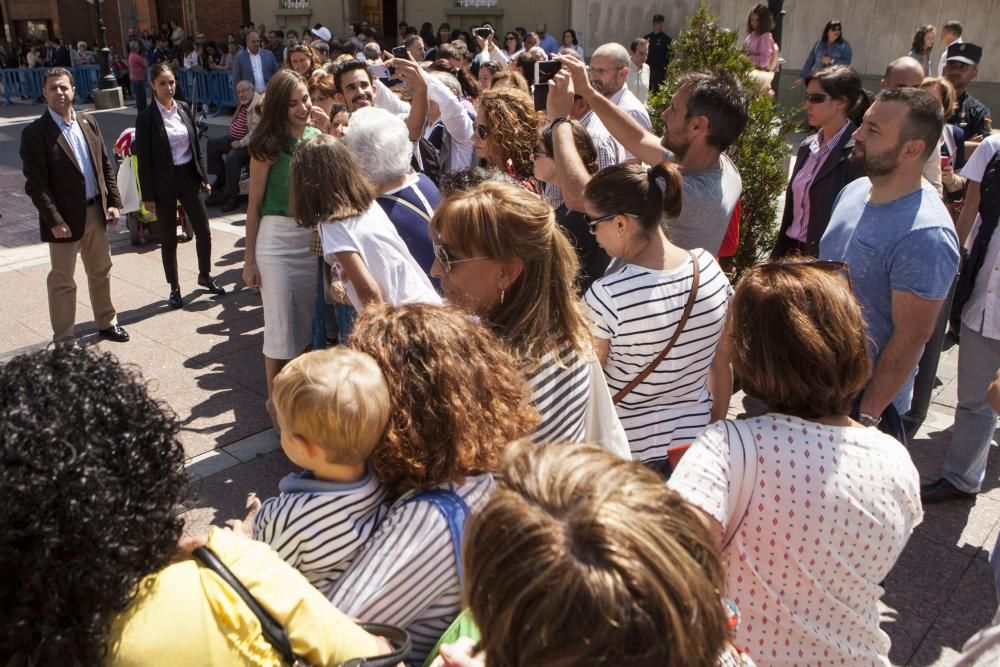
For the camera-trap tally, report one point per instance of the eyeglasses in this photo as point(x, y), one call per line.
point(817, 98)
point(482, 131)
point(540, 152)
point(447, 260)
point(593, 222)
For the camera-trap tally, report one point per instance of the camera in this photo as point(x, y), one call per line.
point(483, 32)
point(400, 52)
point(545, 70)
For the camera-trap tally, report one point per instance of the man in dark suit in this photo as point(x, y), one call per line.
point(659, 54)
point(70, 181)
point(254, 64)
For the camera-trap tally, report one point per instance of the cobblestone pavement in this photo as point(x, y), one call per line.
point(205, 362)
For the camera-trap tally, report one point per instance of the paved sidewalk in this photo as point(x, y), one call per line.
point(205, 362)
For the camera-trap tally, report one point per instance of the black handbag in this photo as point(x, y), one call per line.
point(276, 635)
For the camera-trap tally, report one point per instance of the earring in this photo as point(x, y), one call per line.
point(501, 295)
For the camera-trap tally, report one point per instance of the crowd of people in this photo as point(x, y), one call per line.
point(499, 343)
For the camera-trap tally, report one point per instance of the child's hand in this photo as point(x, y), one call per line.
point(244, 527)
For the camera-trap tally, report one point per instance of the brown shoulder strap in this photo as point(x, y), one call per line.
point(688, 307)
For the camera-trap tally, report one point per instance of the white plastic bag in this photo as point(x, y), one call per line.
point(128, 187)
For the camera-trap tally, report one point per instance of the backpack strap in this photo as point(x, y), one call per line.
point(688, 307)
point(416, 209)
point(455, 512)
point(742, 476)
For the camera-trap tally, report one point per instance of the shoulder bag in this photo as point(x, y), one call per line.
point(688, 307)
point(276, 635)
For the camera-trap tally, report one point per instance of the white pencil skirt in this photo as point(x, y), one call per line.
point(287, 285)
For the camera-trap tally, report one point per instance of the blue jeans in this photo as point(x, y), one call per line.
point(975, 421)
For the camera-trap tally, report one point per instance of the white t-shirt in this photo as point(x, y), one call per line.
point(832, 510)
point(372, 236)
point(638, 310)
point(982, 312)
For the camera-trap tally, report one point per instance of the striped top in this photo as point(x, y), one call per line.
point(319, 527)
point(637, 310)
point(560, 391)
point(239, 127)
point(406, 575)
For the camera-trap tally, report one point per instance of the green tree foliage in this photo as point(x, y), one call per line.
point(760, 151)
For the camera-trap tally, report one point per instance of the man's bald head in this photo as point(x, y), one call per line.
point(905, 72)
point(608, 68)
point(613, 50)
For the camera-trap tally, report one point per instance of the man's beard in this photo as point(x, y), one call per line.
point(879, 164)
point(679, 147)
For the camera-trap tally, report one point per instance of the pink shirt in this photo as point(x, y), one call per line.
point(799, 229)
point(761, 48)
point(137, 67)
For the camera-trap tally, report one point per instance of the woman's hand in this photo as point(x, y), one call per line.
point(338, 292)
point(993, 393)
point(319, 119)
point(150, 206)
point(460, 654)
point(251, 276)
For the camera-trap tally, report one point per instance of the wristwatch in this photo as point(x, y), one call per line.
point(867, 420)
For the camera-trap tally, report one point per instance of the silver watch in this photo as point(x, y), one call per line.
point(867, 420)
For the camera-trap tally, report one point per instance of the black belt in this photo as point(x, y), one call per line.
point(92, 201)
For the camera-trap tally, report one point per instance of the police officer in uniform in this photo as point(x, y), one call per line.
point(961, 68)
point(659, 54)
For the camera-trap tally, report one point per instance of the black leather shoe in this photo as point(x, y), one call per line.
point(942, 491)
point(175, 300)
point(115, 333)
point(232, 203)
point(209, 284)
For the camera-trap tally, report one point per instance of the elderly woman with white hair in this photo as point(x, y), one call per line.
point(380, 143)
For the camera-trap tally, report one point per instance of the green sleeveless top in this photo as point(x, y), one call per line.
point(276, 193)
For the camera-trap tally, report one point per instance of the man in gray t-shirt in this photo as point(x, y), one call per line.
point(706, 115)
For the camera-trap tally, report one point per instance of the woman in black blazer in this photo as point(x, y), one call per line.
point(172, 169)
point(821, 170)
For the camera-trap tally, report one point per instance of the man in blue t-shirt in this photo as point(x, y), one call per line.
point(898, 241)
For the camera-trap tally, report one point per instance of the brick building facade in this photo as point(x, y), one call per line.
point(75, 20)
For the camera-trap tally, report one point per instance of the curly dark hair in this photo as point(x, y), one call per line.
point(90, 479)
point(457, 397)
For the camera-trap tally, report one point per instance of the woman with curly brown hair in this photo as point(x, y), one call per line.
point(457, 400)
point(500, 255)
point(506, 132)
point(301, 59)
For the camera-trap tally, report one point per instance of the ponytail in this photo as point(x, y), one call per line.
point(648, 193)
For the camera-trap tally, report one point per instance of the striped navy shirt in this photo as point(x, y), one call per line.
point(560, 391)
point(637, 310)
point(407, 575)
point(319, 527)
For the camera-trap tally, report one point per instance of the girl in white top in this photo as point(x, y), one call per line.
point(358, 239)
point(637, 309)
point(818, 507)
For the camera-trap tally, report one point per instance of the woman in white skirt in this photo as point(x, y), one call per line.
point(277, 260)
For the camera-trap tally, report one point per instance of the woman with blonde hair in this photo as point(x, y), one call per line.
point(277, 260)
point(506, 131)
point(500, 254)
point(457, 400)
point(811, 508)
point(602, 562)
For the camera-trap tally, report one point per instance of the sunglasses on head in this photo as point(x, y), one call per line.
point(448, 260)
point(817, 98)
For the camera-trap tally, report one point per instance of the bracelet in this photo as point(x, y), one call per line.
point(559, 119)
point(866, 419)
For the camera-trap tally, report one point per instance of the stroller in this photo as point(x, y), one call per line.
point(142, 225)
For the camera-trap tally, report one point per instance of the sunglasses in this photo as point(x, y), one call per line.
point(482, 131)
point(817, 98)
point(593, 222)
point(447, 260)
point(511, 38)
point(540, 152)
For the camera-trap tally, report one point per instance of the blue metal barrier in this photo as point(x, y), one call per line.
point(85, 78)
point(198, 86)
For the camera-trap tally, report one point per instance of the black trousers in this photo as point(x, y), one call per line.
point(189, 194)
point(226, 163)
